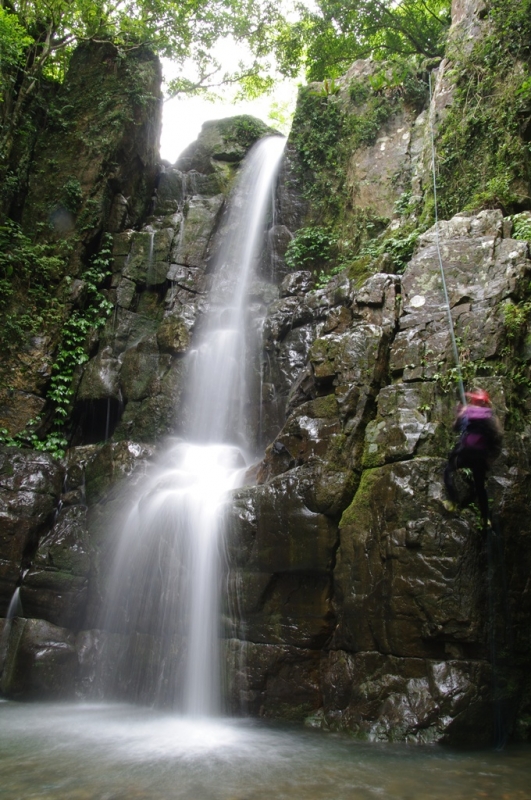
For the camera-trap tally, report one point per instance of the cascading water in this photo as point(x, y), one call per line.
point(14, 610)
point(163, 597)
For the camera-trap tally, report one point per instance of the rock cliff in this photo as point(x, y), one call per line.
point(356, 600)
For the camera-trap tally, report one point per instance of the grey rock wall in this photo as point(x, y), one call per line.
point(345, 547)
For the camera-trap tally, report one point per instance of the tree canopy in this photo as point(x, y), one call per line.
point(177, 29)
point(327, 39)
point(37, 38)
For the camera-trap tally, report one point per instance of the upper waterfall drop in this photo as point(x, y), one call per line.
point(163, 589)
point(218, 386)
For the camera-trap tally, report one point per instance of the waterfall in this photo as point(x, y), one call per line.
point(14, 610)
point(162, 601)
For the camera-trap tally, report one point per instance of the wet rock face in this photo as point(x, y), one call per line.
point(383, 697)
point(30, 484)
point(41, 661)
point(273, 681)
point(281, 553)
point(406, 573)
point(159, 284)
point(344, 548)
point(92, 169)
point(55, 587)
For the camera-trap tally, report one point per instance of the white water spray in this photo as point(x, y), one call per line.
point(164, 590)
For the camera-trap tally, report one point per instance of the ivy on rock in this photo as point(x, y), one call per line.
point(71, 354)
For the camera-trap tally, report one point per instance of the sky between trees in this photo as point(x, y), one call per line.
point(318, 39)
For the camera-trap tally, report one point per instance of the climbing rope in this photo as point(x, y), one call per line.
point(443, 278)
point(496, 562)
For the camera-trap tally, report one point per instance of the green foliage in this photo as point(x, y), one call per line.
point(14, 39)
point(310, 248)
point(404, 205)
point(54, 443)
point(27, 270)
point(38, 37)
point(72, 195)
point(333, 34)
point(318, 137)
point(359, 91)
point(325, 277)
point(174, 30)
point(498, 193)
point(72, 352)
point(247, 130)
point(399, 248)
point(280, 116)
point(516, 316)
point(484, 158)
point(522, 226)
point(364, 128)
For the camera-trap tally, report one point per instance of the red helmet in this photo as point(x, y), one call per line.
point(478, 397)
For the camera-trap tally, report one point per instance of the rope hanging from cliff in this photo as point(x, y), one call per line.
point(443, 277)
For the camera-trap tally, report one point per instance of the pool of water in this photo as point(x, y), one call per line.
point(120, 752)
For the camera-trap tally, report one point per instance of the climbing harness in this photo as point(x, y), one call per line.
point(443, 278)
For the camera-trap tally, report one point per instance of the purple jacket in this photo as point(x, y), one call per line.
point(479, 430)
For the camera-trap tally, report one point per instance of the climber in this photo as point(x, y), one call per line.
point(479, 445)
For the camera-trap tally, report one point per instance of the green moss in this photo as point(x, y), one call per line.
point(370, 460)
point(363, 499)
point(335, 455)
point(247, 130)
point(325, 407)
point(328, 128)
point(483, 148)
point(360, 269)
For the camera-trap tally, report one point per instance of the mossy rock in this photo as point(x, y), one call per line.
point(227, 140)
point(173, 336)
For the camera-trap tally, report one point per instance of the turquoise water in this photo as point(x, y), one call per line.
point(120, 752)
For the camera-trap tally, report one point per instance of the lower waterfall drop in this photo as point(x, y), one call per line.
point(163, 589)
